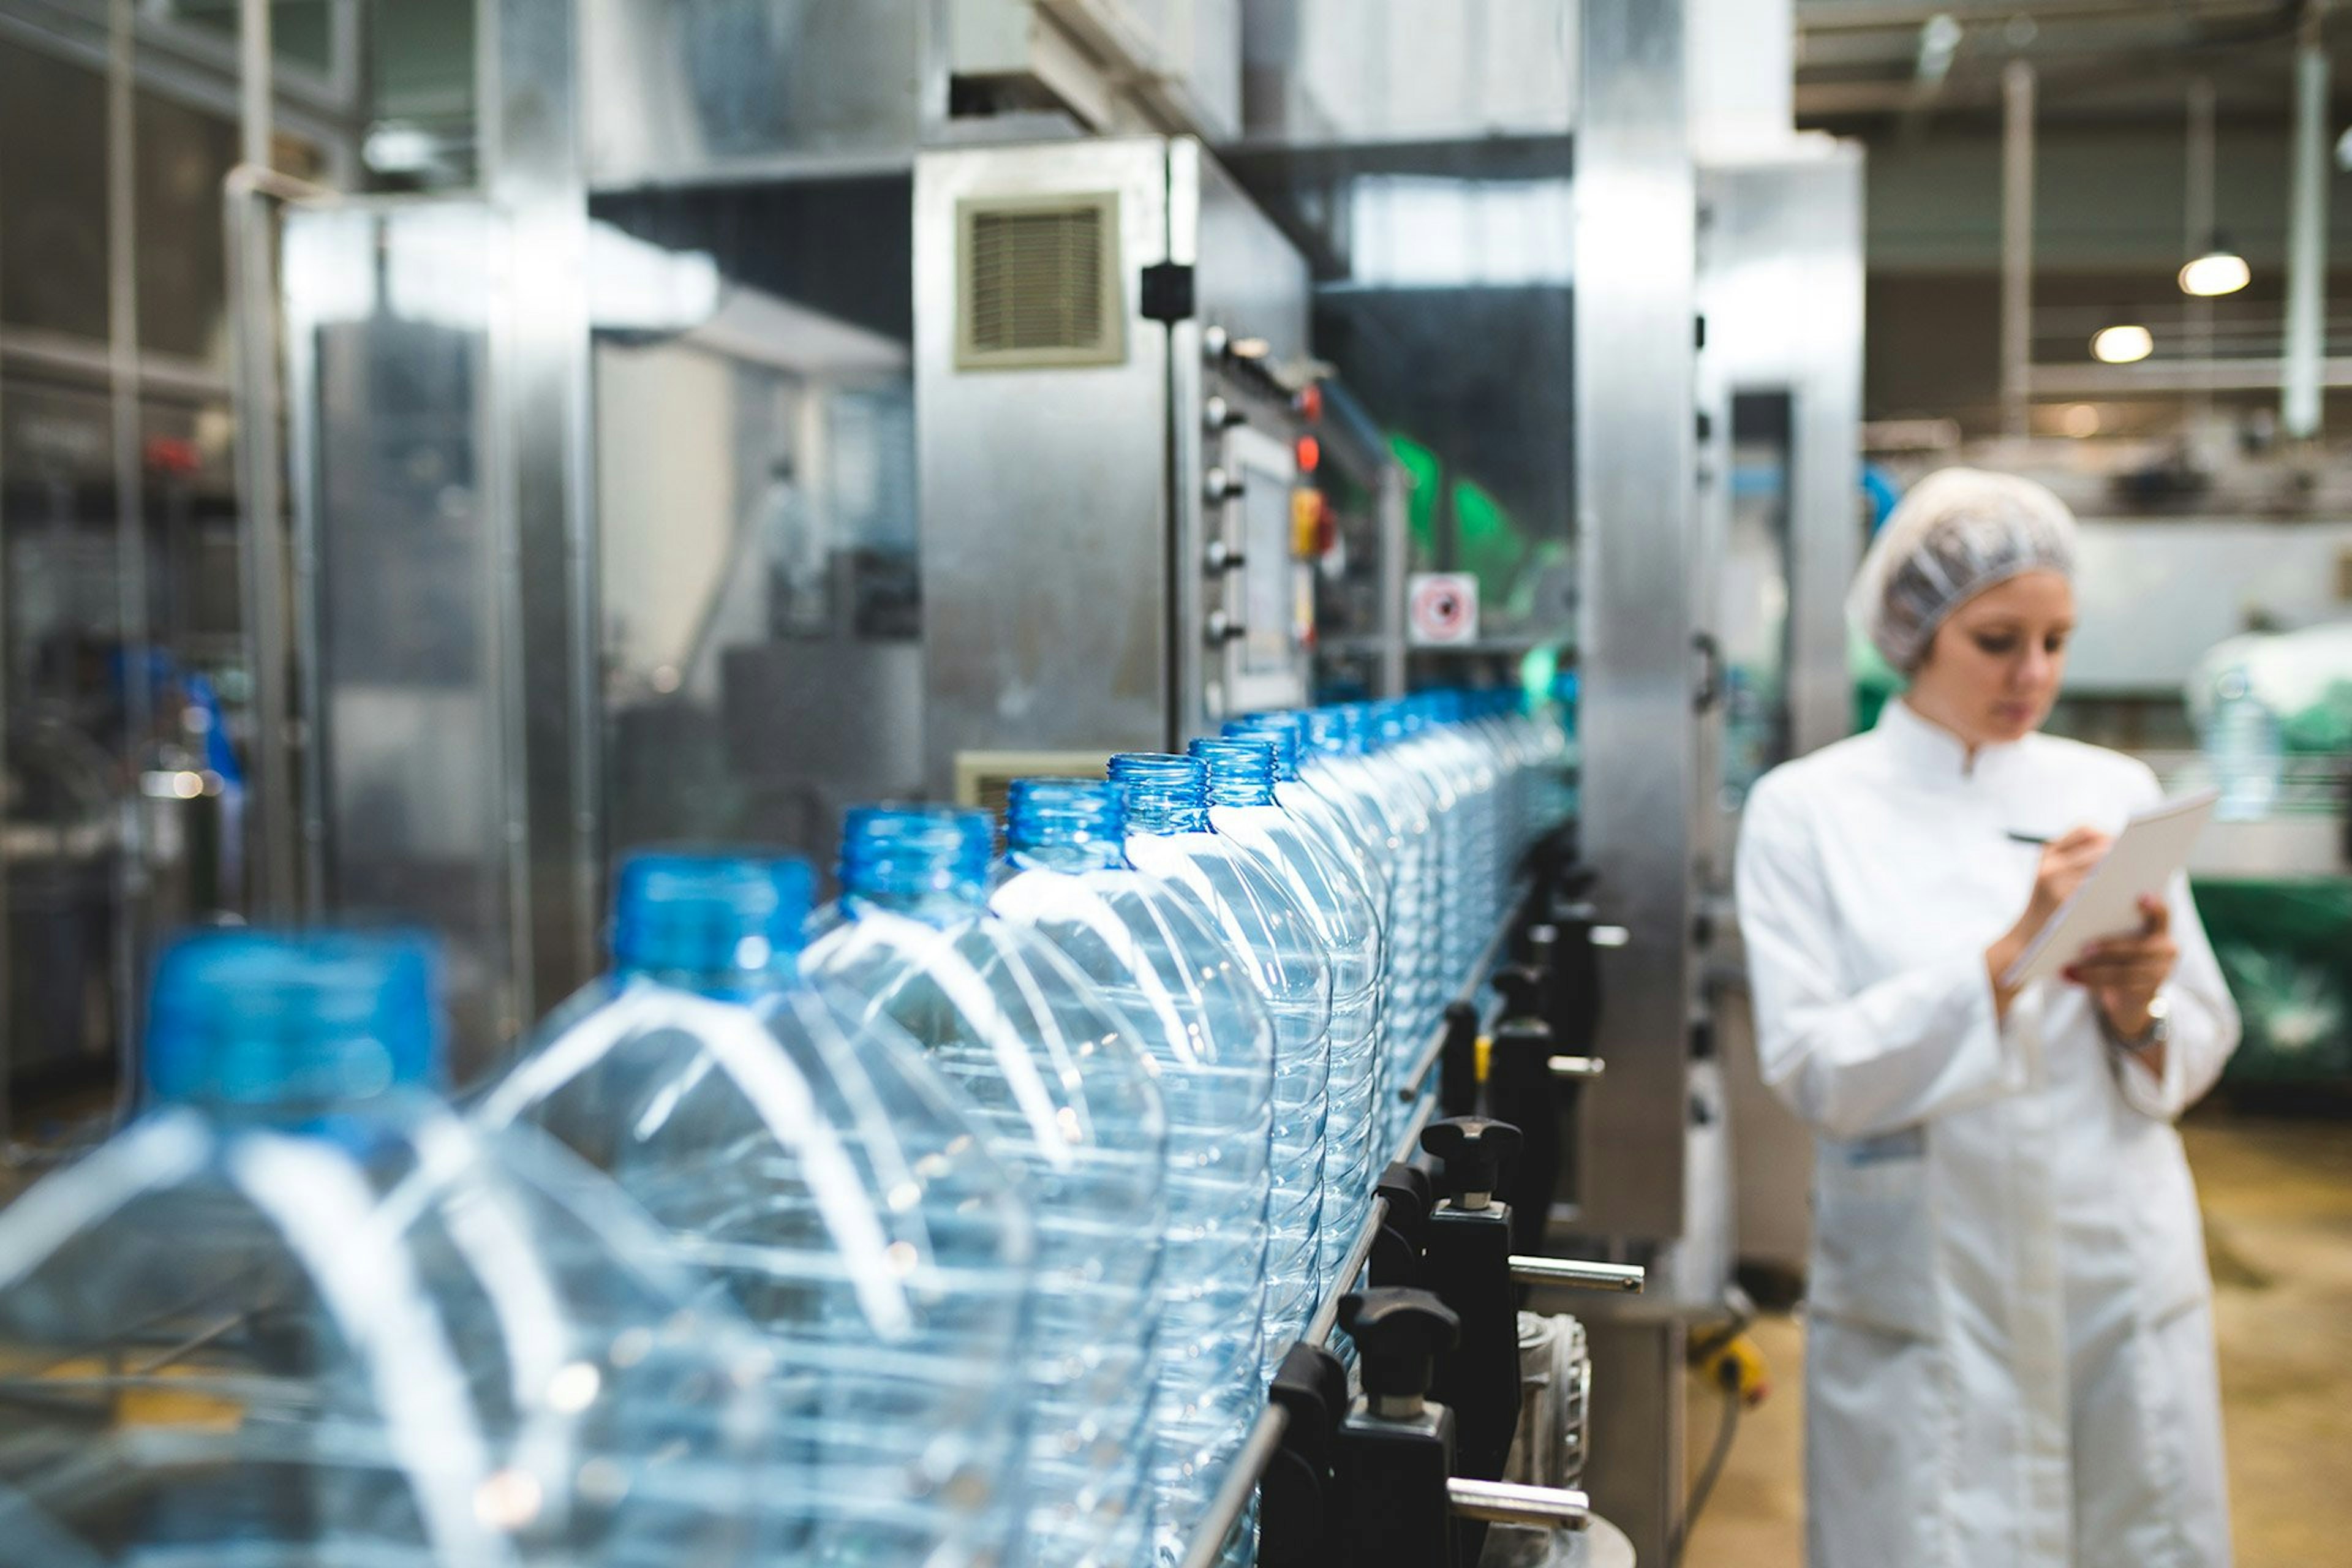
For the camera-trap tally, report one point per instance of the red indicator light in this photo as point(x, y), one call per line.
point(1310, 403)
point(1310, 454)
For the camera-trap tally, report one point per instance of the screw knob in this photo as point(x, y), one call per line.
point(1473, 1150)
point(1399, 1335)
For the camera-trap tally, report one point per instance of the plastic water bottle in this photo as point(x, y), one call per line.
point(1165, 799)
point(1150, 950)
point(2243, 748)
point(1334, 767)
point(300, 1312)
point(1348, 839)
point(1068, 1093)
point(833, 1185)
point(1242, 809)
point(1375, 736)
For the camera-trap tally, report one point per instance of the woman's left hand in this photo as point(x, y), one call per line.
point(2123, 973)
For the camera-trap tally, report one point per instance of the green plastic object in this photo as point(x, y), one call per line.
point(1875, 682)
point(1486, 542)
point(2285, 948)
point(1424, 478)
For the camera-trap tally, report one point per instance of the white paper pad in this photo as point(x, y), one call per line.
point(2151, 850)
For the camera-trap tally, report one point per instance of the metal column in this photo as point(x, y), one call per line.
point(1635, 455)
point(1635, 368)
point(2306, 238)
point(131, 934)
point(2016, 246)
point(547, 661)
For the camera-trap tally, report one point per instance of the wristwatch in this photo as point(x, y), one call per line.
point(2158, 1030)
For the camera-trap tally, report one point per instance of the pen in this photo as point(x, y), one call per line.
point(2037, 838)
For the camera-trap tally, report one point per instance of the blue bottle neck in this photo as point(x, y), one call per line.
point(1064, 825)
point(1161, 794)
point(928, 864)
point(1240, 771)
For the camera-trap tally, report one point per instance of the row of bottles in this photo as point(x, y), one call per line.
point(962, 1221)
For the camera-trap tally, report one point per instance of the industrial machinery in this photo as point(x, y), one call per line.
point(1107, 341)
point(817, 403)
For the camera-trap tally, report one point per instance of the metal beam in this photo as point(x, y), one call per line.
point(2306, 235)
point(1872, 15)
point(539, 479)
point(2016, 246)
point(1635, 364)
point(130, 934)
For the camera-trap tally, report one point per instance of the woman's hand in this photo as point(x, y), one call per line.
point(2065, 861)
point(2122, 974)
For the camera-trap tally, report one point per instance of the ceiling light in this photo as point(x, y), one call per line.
point(2123, 344)
point(2080, 420)
point(2219, 270)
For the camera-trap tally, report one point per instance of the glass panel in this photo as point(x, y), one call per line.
point(182, 157)
point(52, 176)
point(388, 314)
point(756, 502)
point(1755, 634)
point(301, 32)
point(61, 706)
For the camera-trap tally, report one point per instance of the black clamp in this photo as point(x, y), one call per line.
point(1297, 1492)
point(1409, 1194)
point(1395, 1454)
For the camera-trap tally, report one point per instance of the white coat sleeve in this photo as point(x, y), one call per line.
point(2205, 1024)
point(1855, 1064)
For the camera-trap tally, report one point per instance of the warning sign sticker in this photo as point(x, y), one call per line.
point(1441, 608)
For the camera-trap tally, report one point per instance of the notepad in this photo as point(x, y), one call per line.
point(2151, 850)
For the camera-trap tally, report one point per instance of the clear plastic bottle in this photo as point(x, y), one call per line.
point(1069, 1096)
point(1378, 732)
point(1243, 809)
point(2243, 749)
point(824, 1173)
point(1335, 766)
point(1165, 798)
point(1150, 950)
point(1363, 846)
point(301, 1312)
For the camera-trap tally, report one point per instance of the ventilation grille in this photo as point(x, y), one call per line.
point(984, 779)
point(1038, 283)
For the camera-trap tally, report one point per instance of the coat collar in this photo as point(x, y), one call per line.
point(1926, 748)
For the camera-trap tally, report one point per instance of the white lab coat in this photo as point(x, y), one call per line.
point(2009, 1356)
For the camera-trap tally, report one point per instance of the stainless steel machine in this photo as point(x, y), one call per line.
point(1107, 337)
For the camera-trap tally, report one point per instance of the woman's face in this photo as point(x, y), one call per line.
point(1993, 669)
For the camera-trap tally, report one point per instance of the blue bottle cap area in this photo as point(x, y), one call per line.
point(711, 917)
point(260, 1018)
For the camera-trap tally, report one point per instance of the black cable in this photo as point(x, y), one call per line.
point(1712, 1471)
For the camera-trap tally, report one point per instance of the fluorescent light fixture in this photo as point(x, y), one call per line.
point(635, 285)
point(2125, 344)
point(392, 148)
point(2219, 271)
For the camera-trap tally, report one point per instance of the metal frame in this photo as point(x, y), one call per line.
point(207, 72)
point(135, 51)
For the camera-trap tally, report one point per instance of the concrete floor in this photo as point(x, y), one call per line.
point(2278, 1217)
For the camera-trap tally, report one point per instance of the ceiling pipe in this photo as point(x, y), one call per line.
point(2306, 236)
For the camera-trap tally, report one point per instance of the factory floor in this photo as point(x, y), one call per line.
point(2278, 1196)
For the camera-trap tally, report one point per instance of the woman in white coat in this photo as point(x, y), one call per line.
point(2008, 1355)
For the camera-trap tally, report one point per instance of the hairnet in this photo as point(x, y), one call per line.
point(1956, 533)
